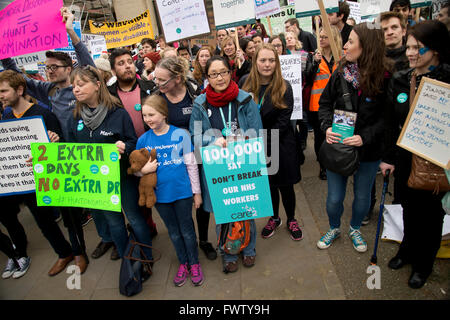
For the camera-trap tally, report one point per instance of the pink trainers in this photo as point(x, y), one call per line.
point(181, 276)
point(196, 274)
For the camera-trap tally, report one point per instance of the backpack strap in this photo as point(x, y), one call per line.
point(345, 94)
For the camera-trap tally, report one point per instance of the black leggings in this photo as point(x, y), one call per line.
point(72, 221)
point(288, 198)
point(202, 223)
point(8, 217)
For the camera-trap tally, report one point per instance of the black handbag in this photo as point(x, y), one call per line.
point(338, 157)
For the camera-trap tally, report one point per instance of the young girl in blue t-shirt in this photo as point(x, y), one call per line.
point(177, 183)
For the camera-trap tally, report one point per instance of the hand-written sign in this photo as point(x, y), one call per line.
point(183, 20)
point(29, 26)
point(124, 33)
point(291, 69)
point(426, 131)
point(237, 181)
point(77, 175)
point(15, 138)
point(372, 8)
point(232, 13)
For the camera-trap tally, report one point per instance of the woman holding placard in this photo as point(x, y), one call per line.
point(99, 117)
point(362, 73)
point(222, 113)
point(275, 101)
point(427, 50)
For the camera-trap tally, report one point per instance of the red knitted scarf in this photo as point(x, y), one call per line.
point(220, 99)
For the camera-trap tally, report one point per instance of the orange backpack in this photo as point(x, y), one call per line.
point(234, 236)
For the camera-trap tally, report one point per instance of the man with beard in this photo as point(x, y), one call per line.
point(131, 91)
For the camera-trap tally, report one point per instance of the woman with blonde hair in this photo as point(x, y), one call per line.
point(229, 51)
point(323, 64)
point(96, 112)
point(275, 101)
point(202, 56)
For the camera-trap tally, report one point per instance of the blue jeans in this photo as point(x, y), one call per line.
point(363, 180)
point(115, 222)
point(177, 217)
point(248, 251)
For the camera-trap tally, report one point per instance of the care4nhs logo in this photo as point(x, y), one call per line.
point(237, 181)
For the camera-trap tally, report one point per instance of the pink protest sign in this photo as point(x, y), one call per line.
point(28, 26)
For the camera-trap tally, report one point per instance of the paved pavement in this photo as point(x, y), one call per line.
point(284, 270)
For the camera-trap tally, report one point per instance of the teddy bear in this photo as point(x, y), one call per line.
point(147, 183)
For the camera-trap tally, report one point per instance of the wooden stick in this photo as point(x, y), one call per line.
point(417, 18)
point(317, 21)
point(237, 48)
point(270, 26)
point(326, 24)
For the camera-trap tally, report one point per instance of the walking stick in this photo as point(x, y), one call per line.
point(373, 260)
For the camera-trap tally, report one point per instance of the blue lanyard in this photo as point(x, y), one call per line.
point(226, 128)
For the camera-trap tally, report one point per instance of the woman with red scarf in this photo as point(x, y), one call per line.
point(222, 113)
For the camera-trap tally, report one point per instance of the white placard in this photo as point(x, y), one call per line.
point(291, 69)
point(95, 43)
point(15, 138)
point(355, 11)
point(372, 8)
point(426, 131)
point(182, 19)
point(311, 7)
point(232, 13)
point(264, 8)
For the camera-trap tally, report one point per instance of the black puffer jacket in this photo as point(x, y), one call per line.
point(370, 115)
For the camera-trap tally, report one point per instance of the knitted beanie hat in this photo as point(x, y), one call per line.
point(154, 56)
point(102, 63)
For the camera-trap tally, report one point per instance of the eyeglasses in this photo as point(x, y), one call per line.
point(222, 74)
point(162, 84)
point(277, 45)
point(54, 67)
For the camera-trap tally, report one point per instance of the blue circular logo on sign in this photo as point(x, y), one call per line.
point(94, 169)
point(47, 200)
point(178, 30)
point(402, 97)
point(114, 156)
point(137, 107)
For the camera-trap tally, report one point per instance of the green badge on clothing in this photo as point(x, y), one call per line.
point(77, 175)
point(402, 97)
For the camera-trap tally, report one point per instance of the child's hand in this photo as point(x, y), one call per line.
point(197, 200)
point(150, 167)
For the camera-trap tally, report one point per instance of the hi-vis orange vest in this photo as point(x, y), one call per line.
point(320, 82)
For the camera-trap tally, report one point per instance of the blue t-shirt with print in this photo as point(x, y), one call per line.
point(172, 177)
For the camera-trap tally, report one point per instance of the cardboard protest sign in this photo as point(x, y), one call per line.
point(77, 175)
point(291, 69)
point(95, 43)
point(355, 11)
point(426, 131)
point(182, 20)
point(124, 33)
point(237, 180)
point(311, 7)
point(15, 138)
point(264, 8)
point(231, 13)
point(31, 26)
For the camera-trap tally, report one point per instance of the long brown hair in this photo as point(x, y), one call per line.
point(277, 86)
point(372, 62)
point(198, 70)
point(91, 74)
